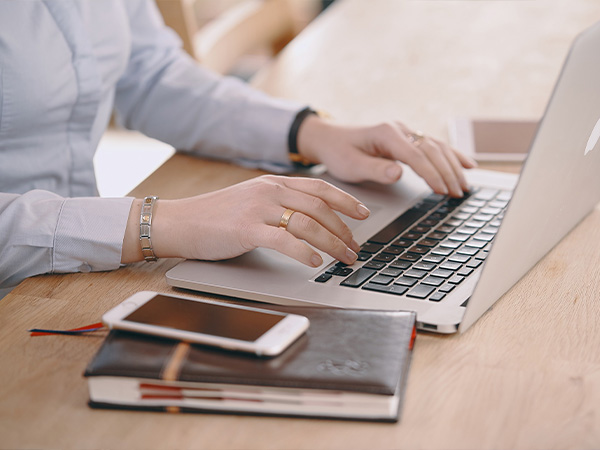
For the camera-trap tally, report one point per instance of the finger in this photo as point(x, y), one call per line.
point(286, 243)
point(465, 161)
point(455, 164)
point(360, 166)
point(334, 197)
point(423, 166)
point(306, 228)
point(441, 161)
point(319, 210)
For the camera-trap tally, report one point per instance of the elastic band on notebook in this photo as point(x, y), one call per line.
point(72, 332)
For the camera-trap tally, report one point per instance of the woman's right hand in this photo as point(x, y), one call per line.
point(232, 221)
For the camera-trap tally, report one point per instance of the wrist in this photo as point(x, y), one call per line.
point(159, 231)
point(305, 133)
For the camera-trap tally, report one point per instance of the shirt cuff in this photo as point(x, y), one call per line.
point(89, 234)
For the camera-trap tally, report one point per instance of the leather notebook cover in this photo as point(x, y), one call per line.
point(343, 350)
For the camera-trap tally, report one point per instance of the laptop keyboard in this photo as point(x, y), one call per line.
point(428, 250)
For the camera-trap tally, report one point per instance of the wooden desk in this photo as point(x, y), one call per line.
point(527, 375)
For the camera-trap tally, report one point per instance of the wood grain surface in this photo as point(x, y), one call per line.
point(525, 376)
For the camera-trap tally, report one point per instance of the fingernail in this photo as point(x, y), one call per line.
point(393, 172)
point(354, 246)
point(316, 260)
point(351, 255)
point(363, 210)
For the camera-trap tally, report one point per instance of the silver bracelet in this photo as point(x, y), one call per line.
point(145, 225)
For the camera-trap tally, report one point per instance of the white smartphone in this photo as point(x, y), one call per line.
point(492, 140)
point(224, 325)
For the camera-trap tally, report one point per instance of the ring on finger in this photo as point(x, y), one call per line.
point(415, 138)
point(285, 218)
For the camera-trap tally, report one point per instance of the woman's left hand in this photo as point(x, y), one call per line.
point(356, 154)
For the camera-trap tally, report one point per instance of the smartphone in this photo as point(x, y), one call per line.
point(493, 140)
point(223, 325)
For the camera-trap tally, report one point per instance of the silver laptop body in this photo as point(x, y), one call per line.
point(558, 186)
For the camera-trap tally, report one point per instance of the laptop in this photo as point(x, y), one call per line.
point(449, 260)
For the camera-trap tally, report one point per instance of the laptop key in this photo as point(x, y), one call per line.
point(470, 251)
point(392, 250)
point(415, 273)
point(421, 291)
point(498, 204)
point(433, 281)
point(382, 279)
point(486, 194)
point(412, 236)
point(384, 257)
point(483, 217)
point(435, 236)
point(476, 244)
point(358, 277)
point(442, 273)
point(434, 259)
point(450, 244)
point(398, 226)
point(476, 203)
point(411, 257)
point(402, 265)
point(474, 263)
point(428, 242)
point(371, 248)
point(456, 279)
point(424, 266)
point(391, 272)
point(490, 230)
point(465, 272)
point(459, 258)
point(374, 265)
point(467, 230)
point(446, 288)
point(484, 237)
point(459, 237)
point(324, 277)
point(405, 281)
point(450, 265)
point(454, 223)
point(391, 289)
point(437, 297)
point(363, 256)
point(402, 243)
point(442, 251)
point(504, 196)
point(491, 211)
point(419, 250)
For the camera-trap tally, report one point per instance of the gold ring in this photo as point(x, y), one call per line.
point(285, 218)
point(415, 138)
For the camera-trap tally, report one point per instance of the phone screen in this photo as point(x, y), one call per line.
point(205, 318)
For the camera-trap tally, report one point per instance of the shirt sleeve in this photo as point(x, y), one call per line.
point(41, 232)
point(167, 95)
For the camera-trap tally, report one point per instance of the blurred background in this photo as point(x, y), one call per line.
point(231, 37)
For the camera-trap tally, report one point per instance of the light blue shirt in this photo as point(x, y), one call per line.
point(64, 66)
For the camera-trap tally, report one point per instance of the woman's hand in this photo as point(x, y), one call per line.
point(237, 219)
point(357, 154)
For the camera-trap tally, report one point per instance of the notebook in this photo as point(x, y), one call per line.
point(449, 270)
point(350, 364)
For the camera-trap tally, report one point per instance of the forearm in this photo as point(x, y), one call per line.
point(41, 232)
point(164, 93)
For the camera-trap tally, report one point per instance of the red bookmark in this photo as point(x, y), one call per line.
point(74, 331)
